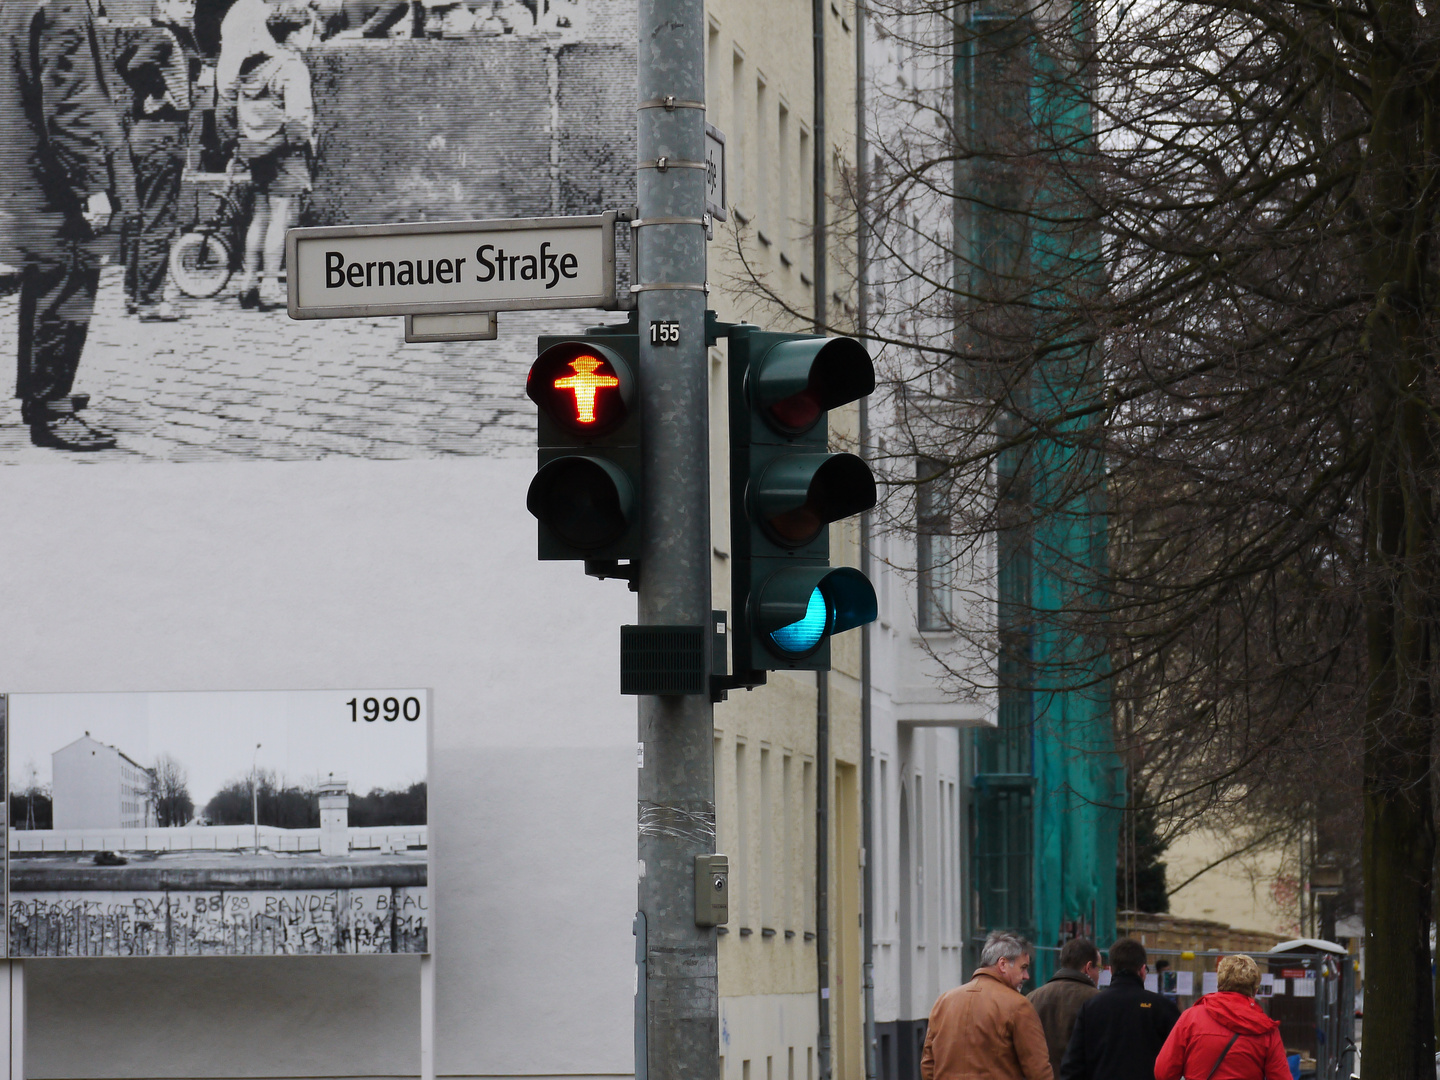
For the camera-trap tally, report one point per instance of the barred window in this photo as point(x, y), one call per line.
point(934, 547)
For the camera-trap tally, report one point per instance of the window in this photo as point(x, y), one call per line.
point(807, 784)
point(784, 222)
point(739, 872)
point(942, 864)
point(787, 851)
point(735, 144)
point(805, 203)
point(712, 58)
point(764, 155)
point(884, 923)
point(954, 818)
point(934, 547)
point(919, 859)
point(767, 842)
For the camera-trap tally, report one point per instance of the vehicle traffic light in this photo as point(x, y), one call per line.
point(586, 493)
point(785, 490)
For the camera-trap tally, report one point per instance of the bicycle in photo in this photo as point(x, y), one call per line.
point(212, 248)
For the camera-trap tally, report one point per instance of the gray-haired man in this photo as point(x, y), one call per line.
point(986, 1027)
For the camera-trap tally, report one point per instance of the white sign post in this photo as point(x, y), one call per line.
point(715, 172)
point(434, 268)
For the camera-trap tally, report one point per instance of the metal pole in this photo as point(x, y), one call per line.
point(676, 781)
point(822, 869)
point(821, 159)
point(867, 753)
point(255, 796)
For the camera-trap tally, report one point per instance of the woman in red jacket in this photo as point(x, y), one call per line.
point(1225, 1036)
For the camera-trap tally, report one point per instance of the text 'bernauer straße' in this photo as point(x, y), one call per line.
point(491, 264)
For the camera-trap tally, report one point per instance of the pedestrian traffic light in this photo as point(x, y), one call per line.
point(586, 493)
point(786, 487)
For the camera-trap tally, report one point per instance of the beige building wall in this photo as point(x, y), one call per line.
point(760, 94)
point(1256, 890)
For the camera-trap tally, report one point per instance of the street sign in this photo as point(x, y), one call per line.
point(715, 172)
point(464, 326)
point(451, 267)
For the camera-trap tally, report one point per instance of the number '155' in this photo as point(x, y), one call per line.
point(388, 709)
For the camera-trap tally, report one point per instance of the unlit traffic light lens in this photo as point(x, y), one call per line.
point(797, 412)
point(798, 380)
point(586, 502)
point(803, 635)
point(799, 494)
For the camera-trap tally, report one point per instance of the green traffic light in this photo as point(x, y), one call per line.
point(786, 488)
point(800, 637)
point(786, 610)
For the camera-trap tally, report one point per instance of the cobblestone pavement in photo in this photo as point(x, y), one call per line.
point(224, 382)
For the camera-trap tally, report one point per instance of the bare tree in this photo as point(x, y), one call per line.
point(170, 792)
point(1157, 288)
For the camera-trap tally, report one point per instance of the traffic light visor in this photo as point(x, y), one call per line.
point(800, 379)
point(587, 502)
point(584, 387)
point(799, 607)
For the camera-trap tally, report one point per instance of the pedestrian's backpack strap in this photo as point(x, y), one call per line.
point(1216, 1067)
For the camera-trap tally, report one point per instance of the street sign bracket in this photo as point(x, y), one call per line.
point(466, 326)
point(613, 568)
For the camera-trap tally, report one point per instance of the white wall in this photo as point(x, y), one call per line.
point(919, 708)
point(86, 787)
point(353, 574)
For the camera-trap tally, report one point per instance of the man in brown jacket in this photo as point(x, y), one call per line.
point(986, 1030)
point(1058, 1002)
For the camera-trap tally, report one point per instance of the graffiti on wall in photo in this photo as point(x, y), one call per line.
point(247, 823)
point(144, 201)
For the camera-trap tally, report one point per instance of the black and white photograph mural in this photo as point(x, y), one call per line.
point(154, 152)
point(233, 824)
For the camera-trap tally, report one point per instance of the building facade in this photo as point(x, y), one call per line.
point(96, 786)
point(787, 754)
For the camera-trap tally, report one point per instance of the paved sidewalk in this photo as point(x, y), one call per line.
point(225, 382)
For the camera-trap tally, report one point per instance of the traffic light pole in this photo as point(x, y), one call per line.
point(680, 1024)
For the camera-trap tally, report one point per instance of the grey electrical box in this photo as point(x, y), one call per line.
point(712, 890)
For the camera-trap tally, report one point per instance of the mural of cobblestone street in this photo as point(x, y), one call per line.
point(224, 382)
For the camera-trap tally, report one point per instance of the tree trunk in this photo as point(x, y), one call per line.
point(1399, 841)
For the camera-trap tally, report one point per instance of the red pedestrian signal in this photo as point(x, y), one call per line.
point(585, 384)
point(584, 388)
point(586, 491)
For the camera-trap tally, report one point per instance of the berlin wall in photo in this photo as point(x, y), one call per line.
point(226, 826)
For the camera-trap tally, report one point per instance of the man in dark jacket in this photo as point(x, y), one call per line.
point(63, 165)
point(1120, 1031)
point(1058, 1001)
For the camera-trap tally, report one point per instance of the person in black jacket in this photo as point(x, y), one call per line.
point(64, 165)
point(1120, 1031)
